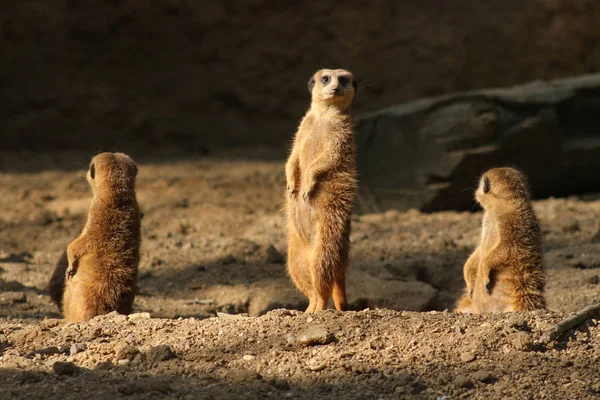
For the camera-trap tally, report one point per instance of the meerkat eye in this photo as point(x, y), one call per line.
point(344, 80)
point(325, 79)
point(92, 171)
point(486, 184)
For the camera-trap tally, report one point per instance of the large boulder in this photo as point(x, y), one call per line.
point(430, 153)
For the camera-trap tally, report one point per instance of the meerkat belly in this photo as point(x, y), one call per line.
point(303, 217)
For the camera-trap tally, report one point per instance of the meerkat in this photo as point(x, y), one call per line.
point(321, 185)
point(103, 261)
point(505, 271)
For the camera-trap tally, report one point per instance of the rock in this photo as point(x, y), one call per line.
point(141, 315)
point(316, 366)
point(463, 381)
point(424, 154)
point(159, 353)
point(520, 341)
point(249, 357)
point(124, 351)
point(65, 368)
point(123, 362)
point(77, 348)
point(368, 291)
point(467, 357)
point(483, 376)
point(274, 256)
point(315, 335)
point(275, 294)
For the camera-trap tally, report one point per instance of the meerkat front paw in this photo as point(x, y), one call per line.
point(309, 188)
point(291, 189)
point(487, 285)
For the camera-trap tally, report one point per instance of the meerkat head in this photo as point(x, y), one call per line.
point(502, 186)
point(335, 87)
point(112, 174)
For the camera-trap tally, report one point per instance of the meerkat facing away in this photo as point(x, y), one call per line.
point(505, 271)
point(321, 185)
point(103, 261)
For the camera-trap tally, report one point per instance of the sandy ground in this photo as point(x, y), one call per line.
point(214, 241)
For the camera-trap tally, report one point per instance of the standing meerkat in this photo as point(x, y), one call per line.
point(505, 271)
point(103, 261)
point(321, 185)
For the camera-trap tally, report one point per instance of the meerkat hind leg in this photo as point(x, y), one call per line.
point(339, 294)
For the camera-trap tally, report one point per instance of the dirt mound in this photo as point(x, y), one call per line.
point(287, 354)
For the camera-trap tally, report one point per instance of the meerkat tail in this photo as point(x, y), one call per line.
point(298, 268)
point(528, 292)
point(56, 285)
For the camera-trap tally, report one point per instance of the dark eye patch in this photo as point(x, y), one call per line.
point(92, 171)
point(344, 80)
point(486, 184)
point(325, 79)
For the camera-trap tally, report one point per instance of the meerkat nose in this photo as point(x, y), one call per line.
point(335, 90)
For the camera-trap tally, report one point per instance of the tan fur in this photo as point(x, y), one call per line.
point(321, 185)
point(505, 271)
point(103, 260)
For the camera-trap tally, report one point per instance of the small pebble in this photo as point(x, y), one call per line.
point(467, 357)
point(76, 348)
point(316, 367)
point(160, 353)
point(65, 368)
point(315, 335)
point(249, 357)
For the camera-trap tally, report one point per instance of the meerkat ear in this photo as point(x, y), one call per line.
point(486, 184)
point(311, 84)
point(92, 171)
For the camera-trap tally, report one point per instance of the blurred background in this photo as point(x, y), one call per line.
point(206, 97)
point(204, 75)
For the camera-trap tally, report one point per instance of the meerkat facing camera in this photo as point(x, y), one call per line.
point(103, 261)
point(505, 271)
point(321, 185)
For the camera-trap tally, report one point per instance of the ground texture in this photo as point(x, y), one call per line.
point(214, 242)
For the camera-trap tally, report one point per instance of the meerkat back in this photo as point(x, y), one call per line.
point(103, 261)
point(505, 271)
